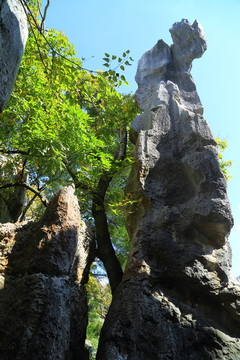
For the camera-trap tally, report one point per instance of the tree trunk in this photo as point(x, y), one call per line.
point(106, 252)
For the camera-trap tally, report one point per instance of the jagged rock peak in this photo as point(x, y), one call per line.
point(189, 43)
point(172, 63)
point(177, 299)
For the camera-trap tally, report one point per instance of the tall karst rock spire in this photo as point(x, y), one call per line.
point(177, 300)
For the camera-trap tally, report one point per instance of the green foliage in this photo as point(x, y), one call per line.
point(99, 298)
point(61, 114)
point(64, 125)
point(94, 328)
point(224, 165)
point(99, 295)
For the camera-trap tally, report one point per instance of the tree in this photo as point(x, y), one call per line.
point(66, 124)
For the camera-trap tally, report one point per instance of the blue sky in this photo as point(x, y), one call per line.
point(96, 27)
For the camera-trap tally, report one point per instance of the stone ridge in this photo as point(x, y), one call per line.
point(177, 300)
point(43, 269)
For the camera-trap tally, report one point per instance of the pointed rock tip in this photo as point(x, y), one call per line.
point(183, 30)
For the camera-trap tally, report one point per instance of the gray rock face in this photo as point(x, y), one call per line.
point(13, 36)
point(177, 300)
point(43, 269)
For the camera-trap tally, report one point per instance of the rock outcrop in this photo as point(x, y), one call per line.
point(13, 36)
point(43, 269)
point(177, 300)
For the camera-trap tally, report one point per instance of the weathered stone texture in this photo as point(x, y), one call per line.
point(177, 300)
point(13, 36)
point(43, 269)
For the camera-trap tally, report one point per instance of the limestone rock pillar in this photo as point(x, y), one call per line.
point(43, 269)
point(177, 300)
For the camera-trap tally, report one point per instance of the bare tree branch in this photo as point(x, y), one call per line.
point(29, 187)
point(22, 152)
point(44, 15)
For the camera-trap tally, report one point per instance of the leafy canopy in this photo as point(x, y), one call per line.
point(62, 115)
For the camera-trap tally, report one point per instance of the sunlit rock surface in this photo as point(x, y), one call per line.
point(177, 300)
point(43, 269)
point(13, 36)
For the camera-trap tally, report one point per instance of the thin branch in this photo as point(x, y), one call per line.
point(22, 152)
point(39, 51)
point(25, 5)
point(27, 207)
point(44, 15)
point(29, 187)
point(77, 183)
point(120, 153)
